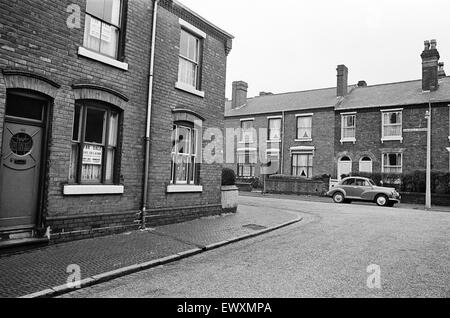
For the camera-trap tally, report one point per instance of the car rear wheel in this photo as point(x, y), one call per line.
point(338, 197)
point(382, 200)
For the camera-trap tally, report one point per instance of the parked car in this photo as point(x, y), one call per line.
point(363, 189)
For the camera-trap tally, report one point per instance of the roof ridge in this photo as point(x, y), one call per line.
point(293, 92)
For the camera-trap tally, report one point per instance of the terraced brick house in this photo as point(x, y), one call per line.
point(91, 94)
point(348, 129)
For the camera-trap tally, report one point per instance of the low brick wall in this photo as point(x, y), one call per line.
point(245, 187)
point(296, 185)
point(419, 198)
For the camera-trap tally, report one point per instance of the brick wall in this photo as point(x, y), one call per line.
point(322, 138)
point(414, 145)
point(34, 38)
point(167, 97)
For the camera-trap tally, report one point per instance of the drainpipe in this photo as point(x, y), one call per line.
point(282, 146)
point(149, 114)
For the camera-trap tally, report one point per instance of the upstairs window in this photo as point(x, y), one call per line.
point(348, 132)
point(274, 132)
point(94, 144)
point(103, 26)
point(247, 131)
point(304, 128)
point(189, 59)
point(392, 125)
point(185, 165)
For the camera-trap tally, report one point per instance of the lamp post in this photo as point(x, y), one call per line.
point(428, 177)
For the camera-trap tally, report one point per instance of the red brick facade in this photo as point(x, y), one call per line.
point(39, 53)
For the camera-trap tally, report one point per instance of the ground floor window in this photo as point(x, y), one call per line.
point(184, 166)
point(365, 165)
point(302, 165)
point(392, 163)
point(94, 144)
point(246, 164)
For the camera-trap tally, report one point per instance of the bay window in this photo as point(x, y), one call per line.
point(94, 144)
point(392, 163)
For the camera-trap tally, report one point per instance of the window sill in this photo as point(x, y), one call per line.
point(102, 58)
point(392, 139)
point(246, 142)
point(273, 140)
point(304, 140)
point(181, 188)
point(353, 140)
point(92, 189)
point(189, 89)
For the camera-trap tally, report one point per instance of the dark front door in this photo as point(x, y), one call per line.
point(20, 162)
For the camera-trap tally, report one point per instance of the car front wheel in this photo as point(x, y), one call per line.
point(382, 200)
point(338, 197)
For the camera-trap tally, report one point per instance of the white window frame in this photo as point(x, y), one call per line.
point(371, 164)
point(193, 31)
point(280, 118)
point(100, 57)
point(343, 127)
point(303, 153)
point(241, 138)
point(296, 126)
point(392, 153)
point(193, 158)
point(391, 138)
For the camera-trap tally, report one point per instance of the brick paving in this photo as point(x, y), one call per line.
point(43, 268)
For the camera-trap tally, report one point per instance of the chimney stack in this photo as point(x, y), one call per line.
point(430, 66)
point(441, 71)
point(239, 92)
point(342, 80)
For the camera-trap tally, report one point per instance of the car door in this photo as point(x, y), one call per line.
point(360, 187)
point(348, 187)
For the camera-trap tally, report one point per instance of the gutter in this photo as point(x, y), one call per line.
point(149, 114)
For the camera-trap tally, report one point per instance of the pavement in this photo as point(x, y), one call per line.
point(337, 250)
point(45, 271)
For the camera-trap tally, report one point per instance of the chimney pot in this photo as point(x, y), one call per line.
point(427, 45)
point(362, 84)
point(433, 44)
point(239, 93)
point(265, 93)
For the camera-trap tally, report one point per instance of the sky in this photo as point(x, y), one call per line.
point(292, 45)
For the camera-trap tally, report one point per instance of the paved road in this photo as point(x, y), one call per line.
point(326, 255)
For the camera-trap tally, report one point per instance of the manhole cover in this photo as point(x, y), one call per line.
point(255, 227)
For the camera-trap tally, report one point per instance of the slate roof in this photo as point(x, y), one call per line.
point(318, 98)
point(395, 94)
point(383, 95)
